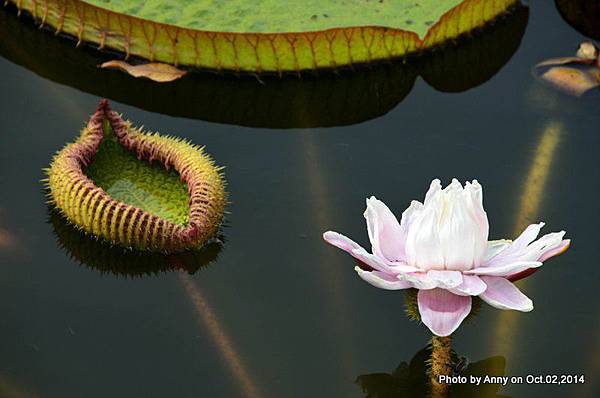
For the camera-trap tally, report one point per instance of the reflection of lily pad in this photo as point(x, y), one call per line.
point(137, 189)
point(327, 99)
point(265, 36)
point(583, 15)
point(475, 61)
point(107, 258)
point(412, 379)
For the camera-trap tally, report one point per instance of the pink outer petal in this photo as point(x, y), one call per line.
point(504, 270)
point(380, 264)
point(382, 280)
point(418, 280)
point(495, 247)
point(521, 275)
point(445, 279)
point(340, 241)
point(384, 230)
point(502, 294)
point(564, 245)
point(472, 285)
point(348, 245)
point(441, 311)
point(550, 253)
point(513, 251)
point(524, 248)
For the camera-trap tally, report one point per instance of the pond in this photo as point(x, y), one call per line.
point(274, 311)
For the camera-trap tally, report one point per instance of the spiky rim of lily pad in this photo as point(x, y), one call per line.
point(94, 211)
point(253, 52)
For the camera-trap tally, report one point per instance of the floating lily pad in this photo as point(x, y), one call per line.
point(326, 99)
point(137, 189)
point(268, 35)
point(110, 259)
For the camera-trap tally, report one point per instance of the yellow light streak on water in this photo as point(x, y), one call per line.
point(533, 192)
point(10, 389)
point(207, 320)
point(592, 369)
point(331, 273)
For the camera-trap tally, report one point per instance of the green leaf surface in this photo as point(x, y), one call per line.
point(280, 16)
point(265, 36)
point(141, 184)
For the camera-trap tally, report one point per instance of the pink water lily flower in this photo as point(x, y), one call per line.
point(441, 247)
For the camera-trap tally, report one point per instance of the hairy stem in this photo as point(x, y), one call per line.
point(441, 364)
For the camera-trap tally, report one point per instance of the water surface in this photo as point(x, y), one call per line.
point(277, 313)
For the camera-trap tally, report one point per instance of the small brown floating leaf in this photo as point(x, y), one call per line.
point(565, 61)
point(572, 81)
point(156, 71)
point(582, 74)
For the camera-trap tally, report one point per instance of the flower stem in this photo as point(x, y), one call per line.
point(441, 364)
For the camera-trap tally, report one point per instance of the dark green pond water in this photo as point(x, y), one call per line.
point(278, 313)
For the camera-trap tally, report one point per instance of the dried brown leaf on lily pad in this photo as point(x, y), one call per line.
point(572, 75)
point(156, 71)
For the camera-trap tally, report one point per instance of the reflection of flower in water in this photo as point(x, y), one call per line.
point(441, 248)
point(107, 258)
point(412, 379)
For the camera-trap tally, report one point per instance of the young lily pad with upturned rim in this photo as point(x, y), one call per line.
point(265, 36)
point(137, 189)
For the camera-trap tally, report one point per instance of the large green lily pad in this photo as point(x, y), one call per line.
point(326, 99)
point(283, 16)
point(264, 36)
